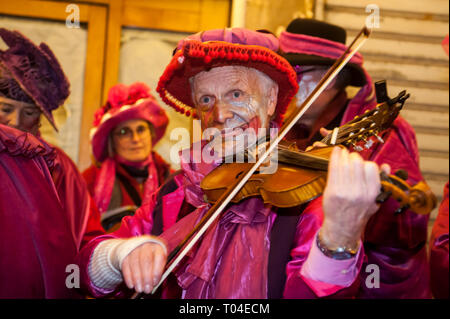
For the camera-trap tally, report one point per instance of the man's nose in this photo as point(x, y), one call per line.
point(222, 112)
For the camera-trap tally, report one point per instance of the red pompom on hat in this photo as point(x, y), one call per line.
point(126, 103)
point(225, 47)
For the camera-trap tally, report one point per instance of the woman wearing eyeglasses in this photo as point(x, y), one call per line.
point(126, 168)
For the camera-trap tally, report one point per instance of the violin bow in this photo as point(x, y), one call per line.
point(214, 212)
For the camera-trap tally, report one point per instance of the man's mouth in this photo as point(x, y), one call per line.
point(231, 132)
point(254, 124)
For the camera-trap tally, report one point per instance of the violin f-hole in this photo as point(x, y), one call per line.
point(239, 174)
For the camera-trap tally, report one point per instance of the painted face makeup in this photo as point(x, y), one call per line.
point(231, 100)
point(309, 77)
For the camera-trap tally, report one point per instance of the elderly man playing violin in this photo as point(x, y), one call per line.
point(232, 80)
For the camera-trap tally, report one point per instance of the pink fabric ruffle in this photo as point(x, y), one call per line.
point(17, 142)
point(241, 233)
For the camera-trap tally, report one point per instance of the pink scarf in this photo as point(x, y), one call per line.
point(104, 182)
point(214, 268)
point(303, 44)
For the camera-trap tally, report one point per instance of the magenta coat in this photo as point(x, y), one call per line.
point(397, 243)
point(74, 195)
point(439, 245)
point(394, 242)
point(142, 223)
point(37, 239)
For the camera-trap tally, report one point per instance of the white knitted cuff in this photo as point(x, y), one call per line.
point(101, 271)
point(106, 262)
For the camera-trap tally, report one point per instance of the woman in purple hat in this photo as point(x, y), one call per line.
point(125, 130)
point(46, 212)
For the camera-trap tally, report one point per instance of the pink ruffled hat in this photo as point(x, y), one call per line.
point(126, 103)
point(223, 47)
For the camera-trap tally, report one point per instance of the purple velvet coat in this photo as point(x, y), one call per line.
point(37, 240)
point(397, 243)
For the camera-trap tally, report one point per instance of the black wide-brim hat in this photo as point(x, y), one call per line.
point(320, 29)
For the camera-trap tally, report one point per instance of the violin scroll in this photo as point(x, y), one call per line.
point(418, 198)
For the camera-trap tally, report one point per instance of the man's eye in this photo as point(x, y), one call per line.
point(205, 100)
point(237, 94)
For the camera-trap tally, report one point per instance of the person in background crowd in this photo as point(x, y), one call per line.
point(396, 243)
point(125, 130)
point(233, 79)
point(439, 241)
point(46, 211)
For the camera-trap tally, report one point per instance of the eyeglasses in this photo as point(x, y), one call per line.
point(126, 133)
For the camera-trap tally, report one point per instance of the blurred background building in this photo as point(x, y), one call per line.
point(133, 40)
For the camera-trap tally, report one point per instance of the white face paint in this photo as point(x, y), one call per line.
point(233, 99)
point(310, 77)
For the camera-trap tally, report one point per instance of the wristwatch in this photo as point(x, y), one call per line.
point(340, 253)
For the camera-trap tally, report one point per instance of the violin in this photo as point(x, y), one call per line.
point(301, 176)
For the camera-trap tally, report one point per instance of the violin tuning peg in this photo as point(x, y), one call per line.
point(355, 147)
point(379, 139)
point(401, 173)
point(382, 197)
point(368, 144)
point(402, 209)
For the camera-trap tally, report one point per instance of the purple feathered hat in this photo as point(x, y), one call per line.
point(32, 74)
